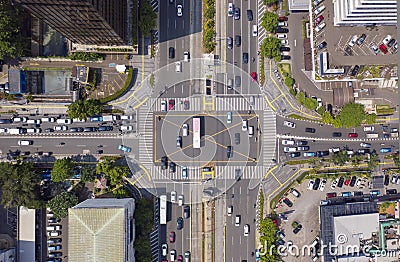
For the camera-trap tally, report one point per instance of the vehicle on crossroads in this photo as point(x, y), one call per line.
point(254, 76)
point(126, 149)
point(230, 9)
point(246, 230)
point(287, 142)
point(385, 150)
point(309, 154)
point(179, 10)
point(184, 172)
point(289, 124)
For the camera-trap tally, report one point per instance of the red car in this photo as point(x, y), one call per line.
point(180, 258)
point(172, 237)
point(171, 104)
point(319, 19)
point(347, 182)
point(383, 48)
point(353, 135)
point(282, 18)
point(330, 195)
point(186, 104)
point(254, 76)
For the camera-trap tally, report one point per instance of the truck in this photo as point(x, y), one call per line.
point(372, 135)
point(109, 118)
point(15, 131)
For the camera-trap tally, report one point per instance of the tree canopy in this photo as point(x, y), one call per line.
point(84, 108)
point(340, 158)
point(60, 203)
point(268, 238)
point(269, 2)
point(112, 172)
point(20, 185)
point(269, 21)
point(147, 17)
point(88, 173)
point(270, 48)
point(351, 115)
point(144, 225)
point(10, 39)
point(62, 169)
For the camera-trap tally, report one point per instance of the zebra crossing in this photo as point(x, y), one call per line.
point(145, 119)
point(154, 4)
point(262, 34)
point(268, 136)
point(194, 174)
point(239, 103)
point(194, 103)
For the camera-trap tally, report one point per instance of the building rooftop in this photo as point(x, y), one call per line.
point(26, 228)
point(299, 5)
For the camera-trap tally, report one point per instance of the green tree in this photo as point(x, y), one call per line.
point(289, 81)
point(60, 203)
point(301, 97)
point(340, 158)
point(327, 117)
point(351, 115)
point(62, 169)
point(88, 173)
point(396, 160)
point(112, 172)
point(11, 42)
point(269, 2)
point(82, 109)
point(270, 48)
point(269, 21)
point(148, 18)
point(373, 161)
point(144, 221)
point(19, 184)
point(370, 118)
point(311, 103)
point(268, 238)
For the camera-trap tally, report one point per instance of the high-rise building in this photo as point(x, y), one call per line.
point(87, 22)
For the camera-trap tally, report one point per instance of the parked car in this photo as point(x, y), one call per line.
point(319, 19)
point(320, 27)
point(383, 48)
point(374, 49)
point(289, 124)
point(316, 183)
point(172, 237)
point(282, 18)
point(295, 154)
point(352, 135)
point(387, 39)
point(361, 39)
point(322, 45)
point(391, 42)
point(355, 70)
point(353, 40)
point(285, 57)
point(319, 9)
point(336, 134)
point(340, 182)
point(281, 30)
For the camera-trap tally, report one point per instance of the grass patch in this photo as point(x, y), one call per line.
point(285, 67)
point(209, 26)
point(285, 5)
point(301, 178)
point(113, 111)
point(261, 198)
point(127, 85)
point(384, 110)
point(304, 28)
point(275, 200)
point(262, 70)
point(298, 162)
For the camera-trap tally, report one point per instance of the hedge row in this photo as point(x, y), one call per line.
point(120, 92)
point(209, 26)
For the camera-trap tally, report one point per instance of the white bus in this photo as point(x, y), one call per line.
point(196, 132)
point(163, 210)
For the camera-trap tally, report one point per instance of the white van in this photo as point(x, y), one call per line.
point(25, 142)
point(255, 30)
point(282, 36)
point(178, 67)
point(368, 128)
point(186, 56)
point(251, 131)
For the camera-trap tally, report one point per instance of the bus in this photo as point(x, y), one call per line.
point(163, 210)
point(196, 132)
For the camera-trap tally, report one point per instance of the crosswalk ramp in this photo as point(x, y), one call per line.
point(145, 119)
point(193, 103)
point(239, 103)
point(195, 174)
point(268, 136)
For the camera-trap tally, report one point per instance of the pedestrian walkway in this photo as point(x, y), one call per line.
point(145, 119)
point(221, 172)
point(242, 103)
point(262, 34)
point(268, 136)
point(194, 104)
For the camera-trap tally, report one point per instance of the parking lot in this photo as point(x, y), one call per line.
point(305, 209)
point(339, 37)
point(57, 238)
point(216, 135)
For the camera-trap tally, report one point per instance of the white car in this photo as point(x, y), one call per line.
point(164, 249)
point(310, 185)
point(255, 30)
point(334, 183)
point(285, 42)
point(230, 211)
point(318, 10)
point(334, 149)
point(179, 10)
point(173, 254)
point(319, 101)
point(64, 121)
point(164, 106)
point(322, 185)
point(353, 40)
point(283, 23)
point(3, 130)
point(173, 196)
point(387, 39)
point(126, 128)
point(358, 182)
point(230, 9)
point(369, 128)
point(320, 27)
point(244, 125)
point(287, 142)
point(366, 145)
point(289, 149)
point(180, 200)
point(60, 128)
point(246, 230)
point(289, 124)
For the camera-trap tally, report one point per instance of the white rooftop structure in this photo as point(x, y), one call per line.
point(299, 5)
point(365, 12)
point(350, 229)
point(26, 241)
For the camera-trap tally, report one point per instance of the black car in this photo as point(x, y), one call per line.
point(105, 128)
point(297, 229)
point(238, 40)
point(49, 130)
point(294, 154)
point(245, 58)
point(310, 130)
point(391, 42)
point(355, 70)
point(238, 174)
point(316, 183)
point(171, 53)
point(284, 49)
point(164, 162)
point(322, 45)
point(330, 109)
point(280, 242)
point(90, 129)
point(340, 182)
point(229, 152)
point(99, 152)
point(285, 57)
point(302, 143)
point(336, 134)
point(179, 223)
point(322, 153)
point(353, 181)
point(386, 182)
point(282, 30)
point(172, 167)
point(361, 39)
point(236, 13)
point(237, 138)
point(288, 202)
point(186, 212)
point(249, 15)
point(391, 191)
point(230, 42)
point(358, 193)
